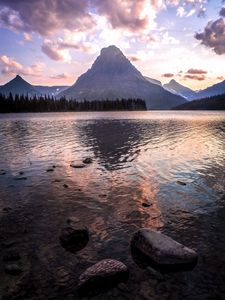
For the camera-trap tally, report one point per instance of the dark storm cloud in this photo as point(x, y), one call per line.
point(222, 12)
point(45, 16)
point(213, 36)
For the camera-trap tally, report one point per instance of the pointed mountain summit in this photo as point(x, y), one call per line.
point(18, 86)
point(112, 76)
point(176, 88)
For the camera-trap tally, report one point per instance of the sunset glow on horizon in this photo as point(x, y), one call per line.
point(54, 42)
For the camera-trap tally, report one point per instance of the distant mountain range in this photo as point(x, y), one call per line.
point(112, 76)
point(176, 88)
point(211, 103)
point(51, 90)
point(216, 89)
point(20, 86)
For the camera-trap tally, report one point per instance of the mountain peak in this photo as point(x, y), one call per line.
point(111, 50)
point(112, 76)
point(18, 78)
point(111, 62)
point(18, 86)
point(173, 81)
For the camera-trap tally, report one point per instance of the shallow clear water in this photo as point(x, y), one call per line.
point(137, 157)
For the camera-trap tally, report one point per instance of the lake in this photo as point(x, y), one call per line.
point(175, 161)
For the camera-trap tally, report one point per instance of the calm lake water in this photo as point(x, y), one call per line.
point(173, 160)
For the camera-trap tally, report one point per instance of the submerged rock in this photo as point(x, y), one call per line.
point(162, 249)
point(77, 166)
point(65, 186)
point(11, 256)
point(145, 204)
point(13, 269)
point(50, 170)
point(9, 243)
point(20, 178)
point(74, 237)
point(7, 209)
point(88, 160)
point(104, 273)
point(181, 182)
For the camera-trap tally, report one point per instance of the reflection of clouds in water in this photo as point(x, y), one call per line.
point(134, 161)
point(136, 155)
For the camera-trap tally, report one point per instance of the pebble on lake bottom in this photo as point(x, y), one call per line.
point(181, 182)
point(77, 166)
point(13, 269)
point(145, 204)
point(74, 236)
point(88, 160)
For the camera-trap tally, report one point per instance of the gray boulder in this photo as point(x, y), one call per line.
point(162, 249)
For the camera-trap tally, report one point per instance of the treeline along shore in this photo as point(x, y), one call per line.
point(21, 103)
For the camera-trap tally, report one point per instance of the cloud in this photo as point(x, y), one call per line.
point(191, 12)
point(59, 49)
point(77, 41)
point(222, 12)
point(27, 37)
point(168, 75)
point(53, 51)
point(12, 67)
point(213, 36)
point(45, 17)
point(194, 74)
point(180, 12)
point(60, 76)
point(132, 15)
point(195, 77)
point(196, 71)
point(133, 58)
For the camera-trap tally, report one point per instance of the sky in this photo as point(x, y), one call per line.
point(52, 42)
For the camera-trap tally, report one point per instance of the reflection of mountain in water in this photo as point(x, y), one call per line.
point(113, 142)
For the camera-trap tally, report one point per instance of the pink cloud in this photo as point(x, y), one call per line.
point(12, 67)
point(195, 77)
point(60, 76)
point(196, 71)
point(128, 14)
point(168, 75)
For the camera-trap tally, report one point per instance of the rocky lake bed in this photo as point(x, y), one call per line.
point(121, 226)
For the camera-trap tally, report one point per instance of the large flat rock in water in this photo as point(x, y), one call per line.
point(162, 249)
